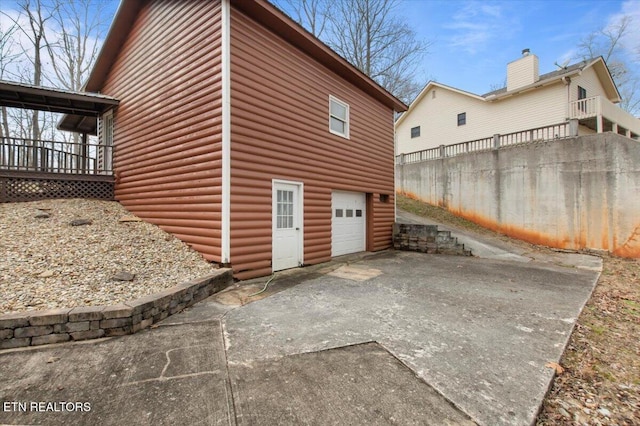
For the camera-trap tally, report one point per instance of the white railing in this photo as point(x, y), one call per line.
point(598, 106)
point(464, 147)
point(585, 108)
point(539, 134)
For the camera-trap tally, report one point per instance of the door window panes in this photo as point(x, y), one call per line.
point(284, 209)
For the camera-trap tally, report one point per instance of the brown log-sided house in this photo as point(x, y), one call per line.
point(243, 135)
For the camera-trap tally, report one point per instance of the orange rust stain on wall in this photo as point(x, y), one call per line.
point(631, 247)
point(604, 231)
point(604, 242)
point(527, 235)
point(410, 195)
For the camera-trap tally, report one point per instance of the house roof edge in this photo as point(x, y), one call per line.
point(426, 90)
point(278, 22)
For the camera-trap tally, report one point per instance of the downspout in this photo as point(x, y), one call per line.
point(225, 220)
point(395, 168)
point(573, 122)
point(567, 82)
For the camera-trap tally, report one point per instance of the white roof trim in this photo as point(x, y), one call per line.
point(428, 88)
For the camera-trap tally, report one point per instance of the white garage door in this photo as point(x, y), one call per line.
point(348, 223)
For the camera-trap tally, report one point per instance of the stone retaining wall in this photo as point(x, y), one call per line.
point(426, 239)
point(91, 322)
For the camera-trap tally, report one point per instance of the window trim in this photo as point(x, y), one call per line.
point(105, 132)
point(345, 121)
point(415, 134)
point(582, 95)
point(463, 116)
point(582, 92)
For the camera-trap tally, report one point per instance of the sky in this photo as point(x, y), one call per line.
point(471, 41)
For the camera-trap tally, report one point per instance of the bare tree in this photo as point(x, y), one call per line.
point(37, 18)
point(608, 43)
point(313, 15)
point(74, 45)
point(6, 57)
point(369, 35)
point(60, 40)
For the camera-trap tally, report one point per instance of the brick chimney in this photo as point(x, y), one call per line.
point(522, 71)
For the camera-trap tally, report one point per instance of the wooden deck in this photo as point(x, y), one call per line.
point(35, 170)
point(16, 186)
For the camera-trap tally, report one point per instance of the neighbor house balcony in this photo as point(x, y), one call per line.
point(41, 169)
point(600, 115)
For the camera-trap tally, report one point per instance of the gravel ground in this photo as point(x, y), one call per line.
point(47, 263)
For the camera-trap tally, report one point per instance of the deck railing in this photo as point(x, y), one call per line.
point(600, 108)
point(539, 134)
point(27, 155)
point(585, 108)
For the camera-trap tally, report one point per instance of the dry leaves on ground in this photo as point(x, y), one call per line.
point(601, 383)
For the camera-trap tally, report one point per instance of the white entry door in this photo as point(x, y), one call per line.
point(287, 225)
point(348, 222)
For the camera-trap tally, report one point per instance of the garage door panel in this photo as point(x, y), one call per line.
point(348, 223)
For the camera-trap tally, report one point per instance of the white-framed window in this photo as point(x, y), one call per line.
point(338, 117)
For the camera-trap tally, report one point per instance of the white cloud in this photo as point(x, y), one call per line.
point(476, 26)
point(568, 57)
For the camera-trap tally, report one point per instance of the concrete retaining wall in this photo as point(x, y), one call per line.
point(91, 322)
point(571, 193)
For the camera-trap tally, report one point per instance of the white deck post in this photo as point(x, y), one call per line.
point(599, 124)
point(573, 127)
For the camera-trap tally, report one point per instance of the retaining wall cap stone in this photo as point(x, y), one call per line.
point(86, 313)
point(116, 311)
point(14, 320)
point(48, 317)
point(142, 304)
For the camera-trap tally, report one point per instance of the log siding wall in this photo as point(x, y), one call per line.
point(280, 130)
point(167, 129)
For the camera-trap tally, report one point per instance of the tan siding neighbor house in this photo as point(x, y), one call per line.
point(246, 137)
point(584, 92)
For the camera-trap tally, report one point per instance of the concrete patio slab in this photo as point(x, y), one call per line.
point(354, 385)
point(479, 331)
point(168, 375)
point(390, 338)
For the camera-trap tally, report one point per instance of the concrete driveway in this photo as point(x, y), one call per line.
point(391, 338)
